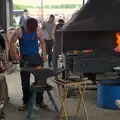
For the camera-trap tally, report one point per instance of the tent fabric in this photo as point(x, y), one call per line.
point(96, 15)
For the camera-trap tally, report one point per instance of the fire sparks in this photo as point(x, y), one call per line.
point(87, 51)
point(38, 67)
point(117, 49)
point(81, 51)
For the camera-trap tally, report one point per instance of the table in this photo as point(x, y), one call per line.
point(63, 86)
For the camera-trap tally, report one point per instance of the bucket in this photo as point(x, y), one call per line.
point(108, 91)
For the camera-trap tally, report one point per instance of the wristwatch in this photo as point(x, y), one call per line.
point(44, 54)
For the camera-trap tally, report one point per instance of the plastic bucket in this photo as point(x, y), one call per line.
point(107, 92)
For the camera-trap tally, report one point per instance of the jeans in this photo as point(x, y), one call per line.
point(49, 46)
point(25, 81)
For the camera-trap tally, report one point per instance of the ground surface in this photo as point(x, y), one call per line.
point(15, 94)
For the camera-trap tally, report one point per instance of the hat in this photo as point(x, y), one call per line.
point(25, 10)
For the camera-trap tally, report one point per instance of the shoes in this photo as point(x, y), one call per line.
point(50, 65)
point(15, 62)
point(24, 107)
point(42, 105)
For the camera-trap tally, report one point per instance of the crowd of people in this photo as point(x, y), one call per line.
point(40, 18)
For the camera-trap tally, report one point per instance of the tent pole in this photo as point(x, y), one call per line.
point(42, 8)
point(83, 2)
point(54, 58)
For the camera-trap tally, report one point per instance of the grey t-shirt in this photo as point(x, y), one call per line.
point(23, 19)
point(48, 30)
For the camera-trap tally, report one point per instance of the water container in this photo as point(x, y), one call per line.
point(107, 92)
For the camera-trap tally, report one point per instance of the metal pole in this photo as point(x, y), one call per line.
point(11, 12)
point(83, 2)
point(54, 59)
point(42, 8)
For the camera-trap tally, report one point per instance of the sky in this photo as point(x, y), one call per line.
point(52, 2)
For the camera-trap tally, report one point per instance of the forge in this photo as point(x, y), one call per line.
point(90, 40)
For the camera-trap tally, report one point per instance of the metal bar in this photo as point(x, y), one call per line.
point(11, 12)
point(62, 102)
point(83, 103)
point(53, 101)
point(83, 2)
point(54, 58)
point(80, 100)
point(85, 110)
point(42, 8)
point(65, 92)
point(31, 104)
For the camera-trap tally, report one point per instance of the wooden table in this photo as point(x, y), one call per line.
point(63, 86)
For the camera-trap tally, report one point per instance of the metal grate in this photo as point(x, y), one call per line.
point(95, 53)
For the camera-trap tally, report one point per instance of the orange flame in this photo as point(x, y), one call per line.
point(84, 51)
point(87, 51)
point(117, 49)
point(38, 67)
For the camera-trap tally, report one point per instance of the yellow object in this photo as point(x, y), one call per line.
point(63, 91)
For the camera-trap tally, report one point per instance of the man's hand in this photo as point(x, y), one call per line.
point(44, 57)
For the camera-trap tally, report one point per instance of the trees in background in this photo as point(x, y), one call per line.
point(61, 6)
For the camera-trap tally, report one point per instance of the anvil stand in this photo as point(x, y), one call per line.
point(37, 88)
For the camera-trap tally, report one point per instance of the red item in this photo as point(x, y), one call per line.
point(38, 67)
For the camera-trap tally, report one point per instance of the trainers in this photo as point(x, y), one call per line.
point(49, 65)
point(42, 105)
point(24, 107)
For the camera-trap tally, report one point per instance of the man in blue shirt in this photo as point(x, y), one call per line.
point(29, 53)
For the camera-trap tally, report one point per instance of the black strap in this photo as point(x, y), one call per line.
point(2, 42)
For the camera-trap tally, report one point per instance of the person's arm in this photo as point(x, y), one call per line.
point(43, 26)
point(41, 39)
point(20, 21)
point(53, 32)
point(13, 40)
